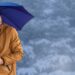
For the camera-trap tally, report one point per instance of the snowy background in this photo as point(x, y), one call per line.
point(48, 39)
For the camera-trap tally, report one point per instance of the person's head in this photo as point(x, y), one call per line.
point(0, 22)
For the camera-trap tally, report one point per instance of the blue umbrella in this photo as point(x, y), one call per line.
point(14, 14)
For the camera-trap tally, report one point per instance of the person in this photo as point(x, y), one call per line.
point(11, 50)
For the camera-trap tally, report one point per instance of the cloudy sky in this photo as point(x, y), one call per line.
point(48, 39)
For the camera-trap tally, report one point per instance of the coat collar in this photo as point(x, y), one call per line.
point(2, 28)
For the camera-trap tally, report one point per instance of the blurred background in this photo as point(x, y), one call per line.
point(48, 40)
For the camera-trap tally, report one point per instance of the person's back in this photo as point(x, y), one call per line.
point(10, 50)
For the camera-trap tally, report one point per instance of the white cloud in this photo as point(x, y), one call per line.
point(29, 50)
point(26, 71)
point(48, 11)
point(60, 72)
point(40, 41)
point(53, 62)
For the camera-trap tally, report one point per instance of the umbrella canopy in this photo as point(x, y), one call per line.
point(14, 14)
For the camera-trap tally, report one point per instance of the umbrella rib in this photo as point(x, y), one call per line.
point(10, 20)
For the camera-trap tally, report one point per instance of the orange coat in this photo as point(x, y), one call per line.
point(10, 50)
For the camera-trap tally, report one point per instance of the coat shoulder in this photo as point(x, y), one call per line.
point(10, 28)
